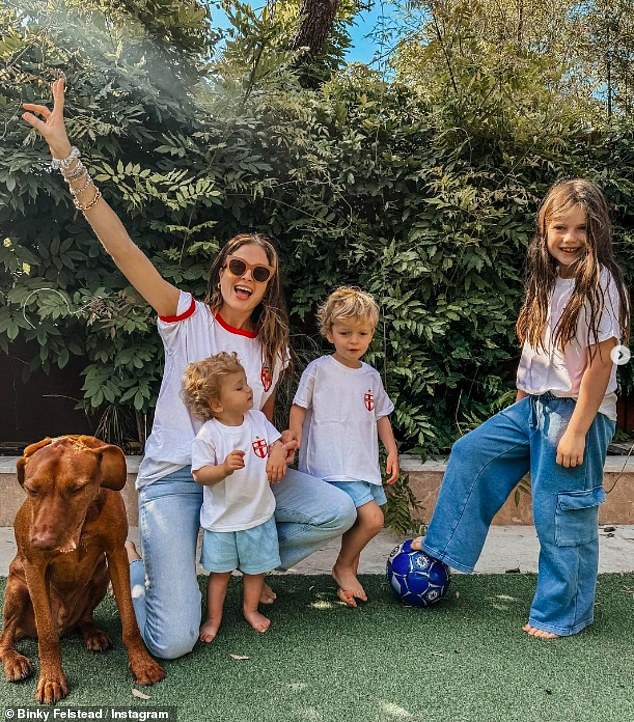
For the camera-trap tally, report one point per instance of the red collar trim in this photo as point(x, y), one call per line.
point(182, 317)
point(231, 329)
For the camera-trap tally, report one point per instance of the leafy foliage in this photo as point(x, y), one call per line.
point(402, 511)
point(520, 62)
point(361, 181)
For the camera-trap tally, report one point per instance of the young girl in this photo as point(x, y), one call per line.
point(575, 312)
point(338, 411)
point(243, 311)
point(235, 455)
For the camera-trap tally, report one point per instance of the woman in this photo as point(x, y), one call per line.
point(243, 312)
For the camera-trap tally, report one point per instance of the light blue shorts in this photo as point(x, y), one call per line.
point(361, 492)
point(252, 551)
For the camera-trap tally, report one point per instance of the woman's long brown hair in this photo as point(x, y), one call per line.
point(269, 317)
point(588, 292)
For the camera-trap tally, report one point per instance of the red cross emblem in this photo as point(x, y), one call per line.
point(266, 377)
point(368, 400)
point(260, 447)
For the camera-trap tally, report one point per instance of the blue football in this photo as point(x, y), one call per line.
point(416, 578)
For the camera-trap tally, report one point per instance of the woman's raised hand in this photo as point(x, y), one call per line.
point(51, 127)
point(132, 262)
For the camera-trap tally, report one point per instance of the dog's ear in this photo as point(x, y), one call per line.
point(113, 469)
point(20, 469)
point(29, 451)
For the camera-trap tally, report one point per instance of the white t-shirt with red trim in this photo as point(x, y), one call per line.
point(194, 334)
point(244, 499)
point(560, 371)
point(339, 435)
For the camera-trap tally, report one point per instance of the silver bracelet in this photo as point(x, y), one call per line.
point(63, 163)
point(75, 173)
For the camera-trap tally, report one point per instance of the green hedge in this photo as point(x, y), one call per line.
point(358, 182)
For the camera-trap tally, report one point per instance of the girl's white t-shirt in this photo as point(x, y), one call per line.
point(343, 405)
point(194, 334)
point(244, 499)
point(560, 371)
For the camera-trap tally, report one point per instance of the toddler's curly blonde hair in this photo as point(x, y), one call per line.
point(347, 303)
point(202, 382)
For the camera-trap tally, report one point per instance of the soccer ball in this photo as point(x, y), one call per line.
point(416, 578)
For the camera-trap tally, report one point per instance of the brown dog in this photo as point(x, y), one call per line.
point(72, 521)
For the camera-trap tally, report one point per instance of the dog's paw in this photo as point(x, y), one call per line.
point(146, 670)
point(97, 641)
point(16, 667)
point(51, 688)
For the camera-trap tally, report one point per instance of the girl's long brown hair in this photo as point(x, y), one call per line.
point(588, 292)
point(269, 317)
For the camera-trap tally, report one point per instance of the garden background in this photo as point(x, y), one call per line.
point(417, 177)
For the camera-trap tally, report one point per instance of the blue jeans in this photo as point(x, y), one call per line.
point(165, 592)
point(483, 469)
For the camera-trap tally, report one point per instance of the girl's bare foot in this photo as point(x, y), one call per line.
point(133, 554)
point(539, 633)
point(350, 588)
point(258, 621)
point(209, 630)
point(417, 543)
point(267, 595)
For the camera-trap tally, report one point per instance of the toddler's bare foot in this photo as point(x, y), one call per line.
point(258, 621)
point(417, 544)
point(209, 630)
point(539, 633)
point(133, 554)
point(267, 595)
point(350, 588)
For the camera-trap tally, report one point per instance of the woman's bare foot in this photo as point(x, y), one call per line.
point(350, 588)
point(258, 621)
point(539, 633)
point(133, 554)
point(417, 544)
point(267, 596)
point(209, 630)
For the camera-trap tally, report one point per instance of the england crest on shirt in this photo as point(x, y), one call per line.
point(260, 447)
point(266, 377)
point(368, 400)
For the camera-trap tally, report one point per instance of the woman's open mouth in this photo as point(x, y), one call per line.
point(243, 292)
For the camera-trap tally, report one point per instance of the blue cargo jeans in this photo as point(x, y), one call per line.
point(484, 468)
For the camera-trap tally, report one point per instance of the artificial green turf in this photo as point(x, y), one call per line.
point(464, 659)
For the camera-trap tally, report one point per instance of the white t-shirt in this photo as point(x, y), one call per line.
point(244, 499)
point(343, 405)
point(194, 334)
point(561, 371)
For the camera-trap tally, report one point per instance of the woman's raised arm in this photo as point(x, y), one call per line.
point(129, 258)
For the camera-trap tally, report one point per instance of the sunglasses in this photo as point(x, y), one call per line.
point(238, 267)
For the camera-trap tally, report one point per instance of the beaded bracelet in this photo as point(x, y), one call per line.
point(77, 172)
point(88, 206)
point(63, 163)
point(77, 191)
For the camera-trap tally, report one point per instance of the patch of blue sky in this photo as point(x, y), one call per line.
point(370, 33)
